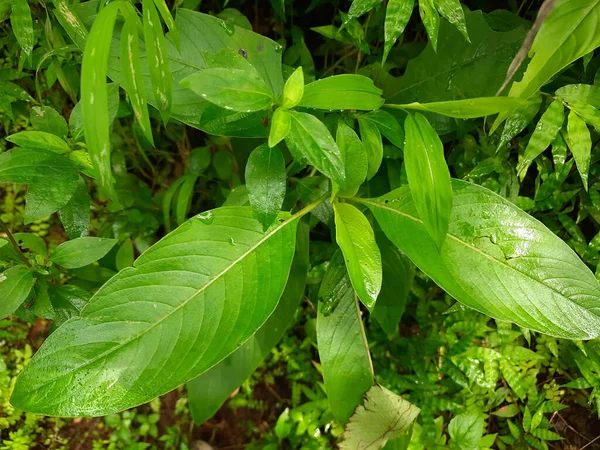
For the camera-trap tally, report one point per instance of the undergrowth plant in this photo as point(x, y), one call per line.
point(349, 187)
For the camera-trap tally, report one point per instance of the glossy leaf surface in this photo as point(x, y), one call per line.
point(355, 160)
point(397, 14)
point(468, 108)
point(266, 183)
point(355, 237)
point(293, 89)
point(220, 279)
point(81, 251)
point(343, 350)
point(342, 92)
point(498, 260)
point(15, 285)
point(371, 139)
point(39, 139)
point(281, 124)
point(428, 176)
point(580, 143)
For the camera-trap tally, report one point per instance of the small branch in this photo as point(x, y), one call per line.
point(14, 243)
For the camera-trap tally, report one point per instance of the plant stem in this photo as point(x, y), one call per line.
point(311, 206)
point(14, 243)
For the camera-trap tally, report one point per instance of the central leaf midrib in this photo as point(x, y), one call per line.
point(183, 303)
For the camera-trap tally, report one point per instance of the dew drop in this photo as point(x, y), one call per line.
point(278, 48)
point(206, 217)
point(231, 241)
point(229, 28)
point(2, 277)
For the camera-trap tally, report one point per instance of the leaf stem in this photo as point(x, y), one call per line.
point(308, 208)
point(14, 243)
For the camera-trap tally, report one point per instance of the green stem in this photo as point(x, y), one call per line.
point(311, 206)
point(14, 243)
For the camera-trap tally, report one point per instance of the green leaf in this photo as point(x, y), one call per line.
point(360, 8)
point(94, 96)
point(468, 108)
point(398, 276)
point(207, 392)
point(15, 285)
point(342, 92)
point(132, 72)
point(587, 112)
point(168, 198)
point(71, 22)
point(371, 139)
point(124, 257)
point(343, 350)
point(518, 120)
point(158, 59)
point(52, 179)
point(184, 198)
point(383, 417)
point(453, 12)
point(466, 430)
point(580, 144)
point(75, 215)
point(163, 9)
point(45, 118)
point(397, 14)
point(355, 237)
point(498, 260)
point(281, 124)
point(585, 93)
point(22, 25)
point(232, 89)
point(81, 251)
point(387, 125)
point(40, 140)
point(190, 299)
point(428, 176)
point(556, 45)
point(310, 140)
point(355, 160)
point(266, 183)
point(67, 301)
point(545, 132)
point(293, 89)
point(431, 20)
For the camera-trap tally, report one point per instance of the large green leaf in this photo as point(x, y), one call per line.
point(342, 92)
point(355, 237)
point(207, 392)
point(39, 139)
point(355, 160)
point(15, 285)
point(343, 349)
point(81, 251)
point(498, 260)
point(428, 176)
point(188, 302)
point(22, 25)
point(383, 417)
point(468, 108)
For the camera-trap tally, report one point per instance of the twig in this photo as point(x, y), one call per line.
point(14, 243)
point(591, 442)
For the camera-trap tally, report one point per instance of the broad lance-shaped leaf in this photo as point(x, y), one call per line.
point(210, 390)
point(39, 139)
point(187, 303)
point(293, 89)
point(431, 20)
point(387, 125)
point(397, 14)
point(342, 92)
point(81, 251)
point(580, 143)
point(428, 176)
point(469, 108)
point(545, 132)
point(266, 183)
point(355, 237)
point(310, 140)
point(94, 97)
point(383, 417)
point(343, 349)
point(232, 89)
point(132, 71)
point(355, 161)
point(71, 22)
point(158, 60)
point(556, 45)
point(15, 285)
point(498, 260)
point(281, 124)
point(361, 7)
point(22, 25)
point(585, 93)
point(163, 9)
